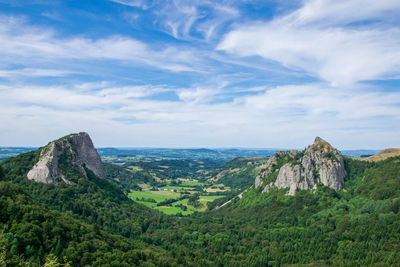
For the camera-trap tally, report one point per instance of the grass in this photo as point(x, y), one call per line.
point(191, 183)
point(147, 204)
point(167, 194)
point(134, 168)
point(144, 185)
point(178, 188)
point(387, 153)
point(210, 198)
point(162, 195)
point(213, 190)
point(170, 210)
point(156, 195)
point(183, 202)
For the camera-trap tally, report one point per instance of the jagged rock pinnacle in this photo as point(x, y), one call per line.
point(318, 140)
point(319, 163)
point(74, 150)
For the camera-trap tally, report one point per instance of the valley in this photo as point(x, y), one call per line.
point(313, 207)
point(182, 187)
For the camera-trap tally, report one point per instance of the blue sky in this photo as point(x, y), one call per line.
point(201, 73)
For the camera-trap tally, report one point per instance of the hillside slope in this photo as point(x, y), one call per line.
point(92, 222)
point(89, 200)
point(357, 226)
point(384, 154)
point(30, 232)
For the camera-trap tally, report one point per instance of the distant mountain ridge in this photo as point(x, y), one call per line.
point(226, 154)
point(384, 154)
point(118, 155)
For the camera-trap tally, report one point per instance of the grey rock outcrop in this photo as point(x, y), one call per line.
point(75, 150)
point(319, 163)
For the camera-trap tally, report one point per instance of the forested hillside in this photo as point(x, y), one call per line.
point(94, 223)
point(354, 227)
point(91, 222)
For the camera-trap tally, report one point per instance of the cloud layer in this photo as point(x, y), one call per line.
point(204, 74)
point(336, 41)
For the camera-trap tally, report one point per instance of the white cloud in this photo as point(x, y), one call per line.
point(197, 95)
point(339, 12)
point(189, 19)
point(215, 107)
point(284, 116)
point(86, 97)
point(318, 40)
point(133, 3)
point(34, 72)
point(24, 44)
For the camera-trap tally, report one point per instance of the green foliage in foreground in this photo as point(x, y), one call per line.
point(327, 228)
point(94, 223)
point(30, 231)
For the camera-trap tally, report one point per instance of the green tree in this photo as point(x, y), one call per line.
point(1, 173)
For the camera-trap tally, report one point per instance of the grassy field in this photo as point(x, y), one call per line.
point(178, 188)
point(191, 183)
point(213, 190)
point(385, 154)
point(134, 168)
point(156, 195)
point(152, 198)
point(209, 198)
point(171, 210)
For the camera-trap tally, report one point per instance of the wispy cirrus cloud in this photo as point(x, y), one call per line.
point(184, 19)
point(22, 43)
point(181, 19)
point(134, 3)
point(34, 72)
point(332, 40)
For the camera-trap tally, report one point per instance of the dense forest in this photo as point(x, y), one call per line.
point(94, 223)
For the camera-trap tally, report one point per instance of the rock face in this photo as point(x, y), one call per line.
point(319, 163)
point(75, 151)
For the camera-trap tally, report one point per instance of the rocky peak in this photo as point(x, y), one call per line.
point(319, 163)
point(73, 153)
point(319, 140)
point(320, 145)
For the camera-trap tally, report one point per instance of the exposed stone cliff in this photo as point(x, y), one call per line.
point(319, 163)
point(71, 153)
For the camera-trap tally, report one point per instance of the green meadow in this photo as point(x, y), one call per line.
point(151, 198)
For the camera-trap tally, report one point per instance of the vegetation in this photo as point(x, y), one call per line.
point(124, 179)
point(7, 152)
point(385, 154)
point(173, 169)
point(121, 156)
point(345, 228)
point(31, 232)
point(164, 183)
point(237, 174)
point(95, 223)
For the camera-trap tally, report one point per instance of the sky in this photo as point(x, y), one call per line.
point(176, 73)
